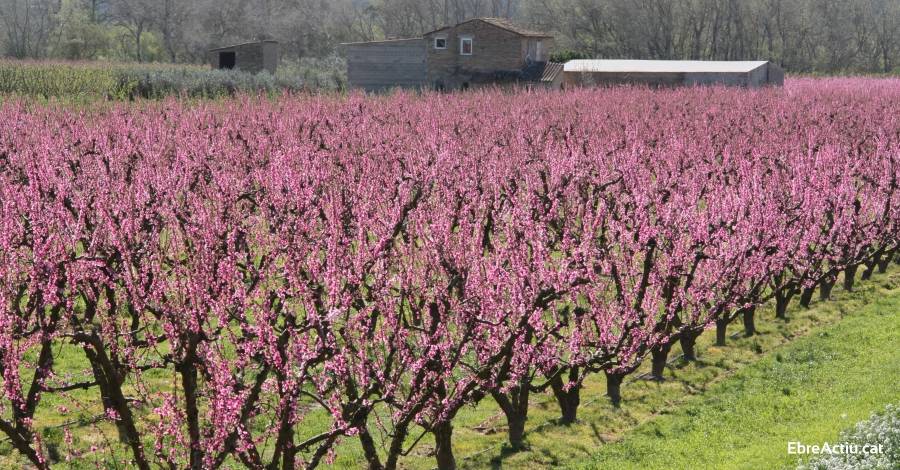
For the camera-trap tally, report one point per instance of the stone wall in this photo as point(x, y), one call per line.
point(382, 65)
point(496, 53)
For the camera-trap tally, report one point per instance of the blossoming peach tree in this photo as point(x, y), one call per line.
point(256, 283)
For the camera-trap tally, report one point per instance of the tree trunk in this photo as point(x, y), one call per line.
point(721, 331)
point(443, 448)
point(188, 372)
point(850, 277)
point(825, 286)
point(614, 387)
point(516, 433)
point(885, 261)
point(137, 44)
point(22, 439)
point(401, 430)
point(568, 399)
point(871, 264)
point(782, 300)
point(749, 323)
point(806, 296)
point(660, 356)
point(370, 450)
point(688, 339)
point(515, 406)
point(111, 385)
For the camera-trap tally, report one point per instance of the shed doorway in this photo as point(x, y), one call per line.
point(227, 60)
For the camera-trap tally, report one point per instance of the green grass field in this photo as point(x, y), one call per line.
point(807, 391)
point(741, 393)
point(479, 432)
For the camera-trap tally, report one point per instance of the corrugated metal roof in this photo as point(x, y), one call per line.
point(267, 41)
point(662, 66)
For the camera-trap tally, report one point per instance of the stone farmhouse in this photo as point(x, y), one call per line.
point(497, 52)
point(474, 53)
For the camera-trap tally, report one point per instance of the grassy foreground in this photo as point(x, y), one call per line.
point(821, 371)
point(807, 391)
point(736, 407)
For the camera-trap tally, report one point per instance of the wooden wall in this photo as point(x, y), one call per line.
point(774, 75)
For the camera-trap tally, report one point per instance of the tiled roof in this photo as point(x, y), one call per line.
point(383, 41)
point(505, 24)
point(508, 25)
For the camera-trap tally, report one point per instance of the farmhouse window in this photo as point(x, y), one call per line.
point(465, 46)
point(538, 52)
point(440, 42)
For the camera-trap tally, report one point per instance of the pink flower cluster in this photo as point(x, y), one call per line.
point(237, 273)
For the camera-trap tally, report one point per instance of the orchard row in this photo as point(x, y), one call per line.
point(253, 282)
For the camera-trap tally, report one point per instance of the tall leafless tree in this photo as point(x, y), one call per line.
point(802, 35)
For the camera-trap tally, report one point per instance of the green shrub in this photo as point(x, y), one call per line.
point(95, 80)
point(55, 79)
point(155, 84)
point(328, 73)
point(567, 55)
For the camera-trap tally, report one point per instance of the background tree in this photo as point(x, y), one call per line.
point(136, 17)
point(27, 26)
point(824, 36)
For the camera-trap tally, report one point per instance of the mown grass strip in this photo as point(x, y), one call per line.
point(807, 391)
point(480, 431)
point(553, 446)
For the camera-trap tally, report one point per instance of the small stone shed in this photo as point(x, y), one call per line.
point(671, 73)
point(253, 57)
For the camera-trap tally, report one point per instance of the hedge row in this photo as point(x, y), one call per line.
point(131, 81)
